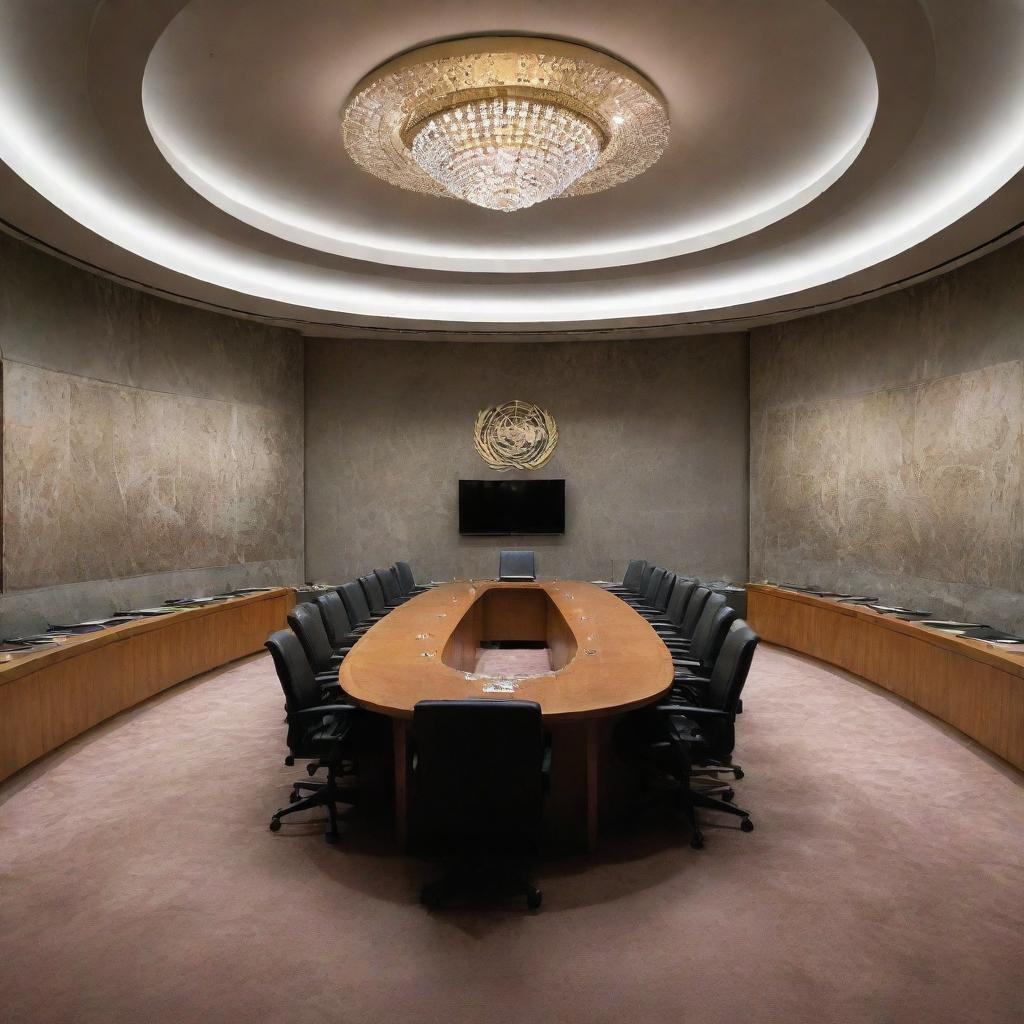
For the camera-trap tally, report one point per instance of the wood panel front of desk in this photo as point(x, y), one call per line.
point(49, 697)
point(970, 685)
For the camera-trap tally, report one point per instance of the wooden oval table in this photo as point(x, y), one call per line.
point(605, 660)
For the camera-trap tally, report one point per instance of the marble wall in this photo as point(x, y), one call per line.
point(150, 449)
point(652, 446)
point(887, 446)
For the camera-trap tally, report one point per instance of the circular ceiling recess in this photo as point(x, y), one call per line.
point(671, 166)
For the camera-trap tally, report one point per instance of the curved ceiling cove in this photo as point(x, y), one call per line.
point(817, 150)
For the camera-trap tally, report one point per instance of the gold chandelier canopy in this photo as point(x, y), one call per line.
point(505, 122)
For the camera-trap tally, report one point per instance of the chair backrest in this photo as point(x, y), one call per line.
point(676, 608)
point(664, 592)
point(373, 591)
point(711, 631)
point(406, 580)
point(693, 610)
point(332, 611)
point(293, 671)
point(631, 577)
point(354, 599)
point(308, 626)
point(517, 565)
point(653, 582)
point(731, 667)
point(479, 772)
point(389, 584)
point(644, 577)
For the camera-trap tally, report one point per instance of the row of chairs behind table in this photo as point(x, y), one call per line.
point(324, 727)
point(691, 734)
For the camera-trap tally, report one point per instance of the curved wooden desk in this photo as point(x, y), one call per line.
point(605, 658)
point(976, 687)
point(49, 696)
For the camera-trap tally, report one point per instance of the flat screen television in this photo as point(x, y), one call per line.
point(503, 507)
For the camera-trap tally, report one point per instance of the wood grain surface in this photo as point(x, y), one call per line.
point(974, 686)
point(49, 696)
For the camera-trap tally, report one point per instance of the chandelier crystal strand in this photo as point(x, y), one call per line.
point(506, 153)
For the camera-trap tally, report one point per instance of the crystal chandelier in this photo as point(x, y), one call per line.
point(504, 123)
point(507, 153)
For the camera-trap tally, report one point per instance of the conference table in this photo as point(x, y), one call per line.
point(605, 660)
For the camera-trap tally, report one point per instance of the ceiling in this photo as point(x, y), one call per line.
point(819, 152)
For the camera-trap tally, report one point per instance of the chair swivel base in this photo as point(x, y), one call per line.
point(465, 885)
point(693, 799)
point(320, 794)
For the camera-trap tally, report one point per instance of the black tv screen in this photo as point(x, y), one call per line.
point(498, 507)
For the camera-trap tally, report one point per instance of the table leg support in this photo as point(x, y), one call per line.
point(593, 739)
point(400, 732)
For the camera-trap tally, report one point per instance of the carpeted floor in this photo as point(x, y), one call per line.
point(516, 661)
point(884, 884)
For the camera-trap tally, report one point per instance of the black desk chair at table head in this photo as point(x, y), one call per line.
point(517, 565)
point(478, 793)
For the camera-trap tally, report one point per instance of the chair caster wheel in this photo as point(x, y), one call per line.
point(739, 773)
point(275, 825)
point(534, 898)
point(311, 768)
point(746, 825)
point(289, 760)
point(728, 795)
point(697, 842)
point(293, 797)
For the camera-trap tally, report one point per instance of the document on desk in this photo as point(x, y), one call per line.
point(501, 686)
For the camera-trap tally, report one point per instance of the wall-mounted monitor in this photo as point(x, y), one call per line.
point(495, 508)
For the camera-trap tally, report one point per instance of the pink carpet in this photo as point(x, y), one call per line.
point(519, 661)
point(884, 884)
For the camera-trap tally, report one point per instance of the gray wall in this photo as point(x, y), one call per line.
point(150, 450)
point(887, 445)
point(652, 445)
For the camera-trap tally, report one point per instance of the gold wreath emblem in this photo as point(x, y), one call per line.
point(516, 435)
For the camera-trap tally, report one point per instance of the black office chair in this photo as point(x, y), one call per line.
point(478, 791)
point(374, 594)
point(693, 669)
point(353, 597)
point(318, 731)
point(323, 659)
point(645, 577)
point(668, 624)
point(711, 604)
point(701, 733)
point(645, 601)
point(694, 609)
point(407, 581)
point(630, 578)
point(388, 580)
point(661, 599)
point(336, 621)
point(517, 566)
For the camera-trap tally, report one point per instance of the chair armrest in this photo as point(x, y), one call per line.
point(690, 709)
point(320, 710)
